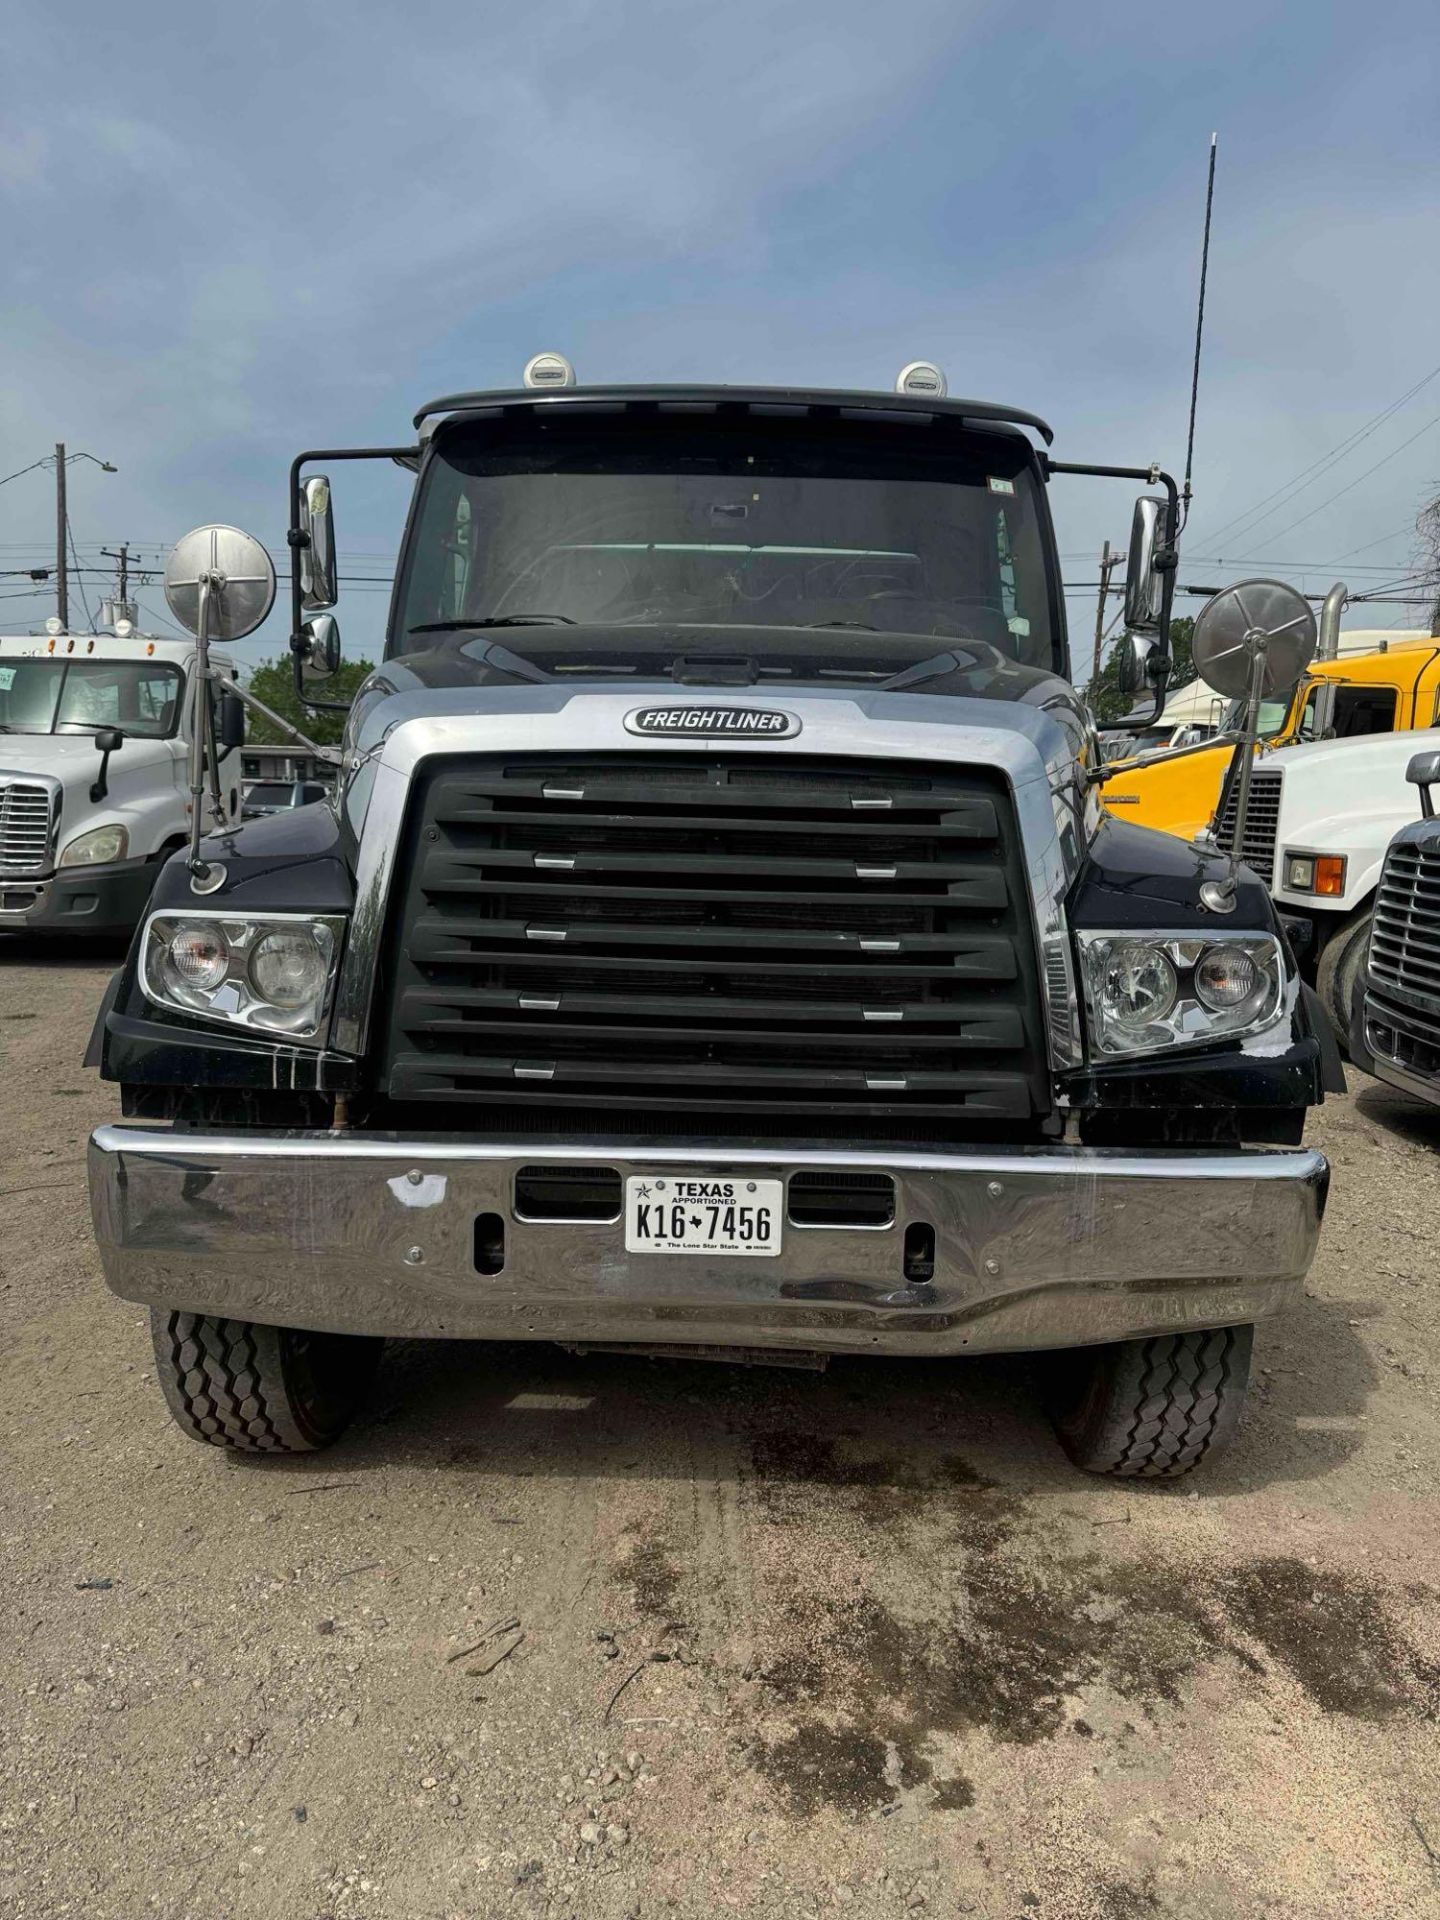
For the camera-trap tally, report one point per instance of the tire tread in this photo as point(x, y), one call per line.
point(1157, 1408)
point(237, 1384)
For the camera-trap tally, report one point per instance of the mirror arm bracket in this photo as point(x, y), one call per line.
point(99, 786)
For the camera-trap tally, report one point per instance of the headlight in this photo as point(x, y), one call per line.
point(288, 967)
point(1320, 873)
point(97, 847)
point(274, 972)
point(195, 959)
point(1150, 990)
point(1137, 987)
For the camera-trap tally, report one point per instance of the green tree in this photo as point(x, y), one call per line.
point(274, 683)
point(1109, 703)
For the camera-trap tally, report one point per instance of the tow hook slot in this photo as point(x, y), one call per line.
point(489, 1243)
point(919, 1251)
point(567, 1195)
point(841, 1200)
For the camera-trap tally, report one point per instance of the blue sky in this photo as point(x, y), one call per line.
point(228, 234)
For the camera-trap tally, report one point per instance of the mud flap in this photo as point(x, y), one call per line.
point(96, 1046)
point(1332, 1067)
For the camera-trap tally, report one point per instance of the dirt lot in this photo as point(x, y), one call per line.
point(883, 1649)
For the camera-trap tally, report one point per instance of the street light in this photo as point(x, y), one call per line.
point(49, 461)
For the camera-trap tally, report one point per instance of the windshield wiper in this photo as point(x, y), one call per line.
point(495, 620)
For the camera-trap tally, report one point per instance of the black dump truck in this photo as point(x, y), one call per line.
point(1395, 1019)
point(716, 943)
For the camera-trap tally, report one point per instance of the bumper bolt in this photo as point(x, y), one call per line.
point(415, 1176)
point(414, 1256)
point(995, 1189)
point(992, 1266)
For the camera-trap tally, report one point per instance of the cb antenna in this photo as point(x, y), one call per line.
point(1199, 333)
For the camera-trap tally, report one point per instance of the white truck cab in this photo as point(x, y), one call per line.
point(94, 791)
point(1321, 816)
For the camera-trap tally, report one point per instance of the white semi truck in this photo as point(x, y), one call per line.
point(94, 795)
point(1320, 817)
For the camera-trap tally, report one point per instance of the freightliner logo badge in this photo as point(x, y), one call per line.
point(767, 723)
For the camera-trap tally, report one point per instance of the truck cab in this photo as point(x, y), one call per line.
point(94, 736)
point(716, 944)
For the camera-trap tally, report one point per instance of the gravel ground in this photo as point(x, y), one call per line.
point(882, 1649)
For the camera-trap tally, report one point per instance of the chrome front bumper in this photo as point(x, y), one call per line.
point(1041, 1247)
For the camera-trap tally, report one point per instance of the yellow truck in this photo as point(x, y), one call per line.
point(1381, 682)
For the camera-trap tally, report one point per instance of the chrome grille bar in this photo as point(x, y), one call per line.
point(1262, 821)
point(27, 826)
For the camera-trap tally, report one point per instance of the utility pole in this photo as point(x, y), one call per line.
point(62, 578)
point(1108, 562)
point(122, 569)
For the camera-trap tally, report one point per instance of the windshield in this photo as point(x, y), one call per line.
point(76, 696)
point(1273, 715)
point(750, 523)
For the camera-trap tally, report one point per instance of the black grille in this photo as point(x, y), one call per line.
point(717, 943)
point(1262, 820)
point(1405, 934)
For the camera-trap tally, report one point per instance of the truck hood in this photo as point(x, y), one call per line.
point(1348, 797)
point(942, 683)
point(721, 660)
point(141, 778)
point(60, 754)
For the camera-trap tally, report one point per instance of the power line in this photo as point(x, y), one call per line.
point(1350, 487)
point(160, 620)
point(70, 536)
point(1411, 531)
point(1308, 475)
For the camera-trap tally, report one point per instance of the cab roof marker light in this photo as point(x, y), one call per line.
point(922, 379)
point(548, 370)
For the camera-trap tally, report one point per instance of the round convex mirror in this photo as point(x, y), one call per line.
point(1233, 623)
point(242, 581)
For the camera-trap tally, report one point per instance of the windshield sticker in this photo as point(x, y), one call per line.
point(997, 485)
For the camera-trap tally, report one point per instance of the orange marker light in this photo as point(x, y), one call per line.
point(1330, 874)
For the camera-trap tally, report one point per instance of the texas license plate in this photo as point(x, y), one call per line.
point(666, 1214)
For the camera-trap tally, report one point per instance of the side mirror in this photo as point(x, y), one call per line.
point(1132, 662)
point(108, 740)
point(1424, 772)
point(1144, 597)
point(230, 725)
point(227, 574)
point(319, 573)
point(320, 653)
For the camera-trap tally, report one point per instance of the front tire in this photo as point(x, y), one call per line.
point(259, 1389)
point(1338, 970)
point(1155, 1408)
